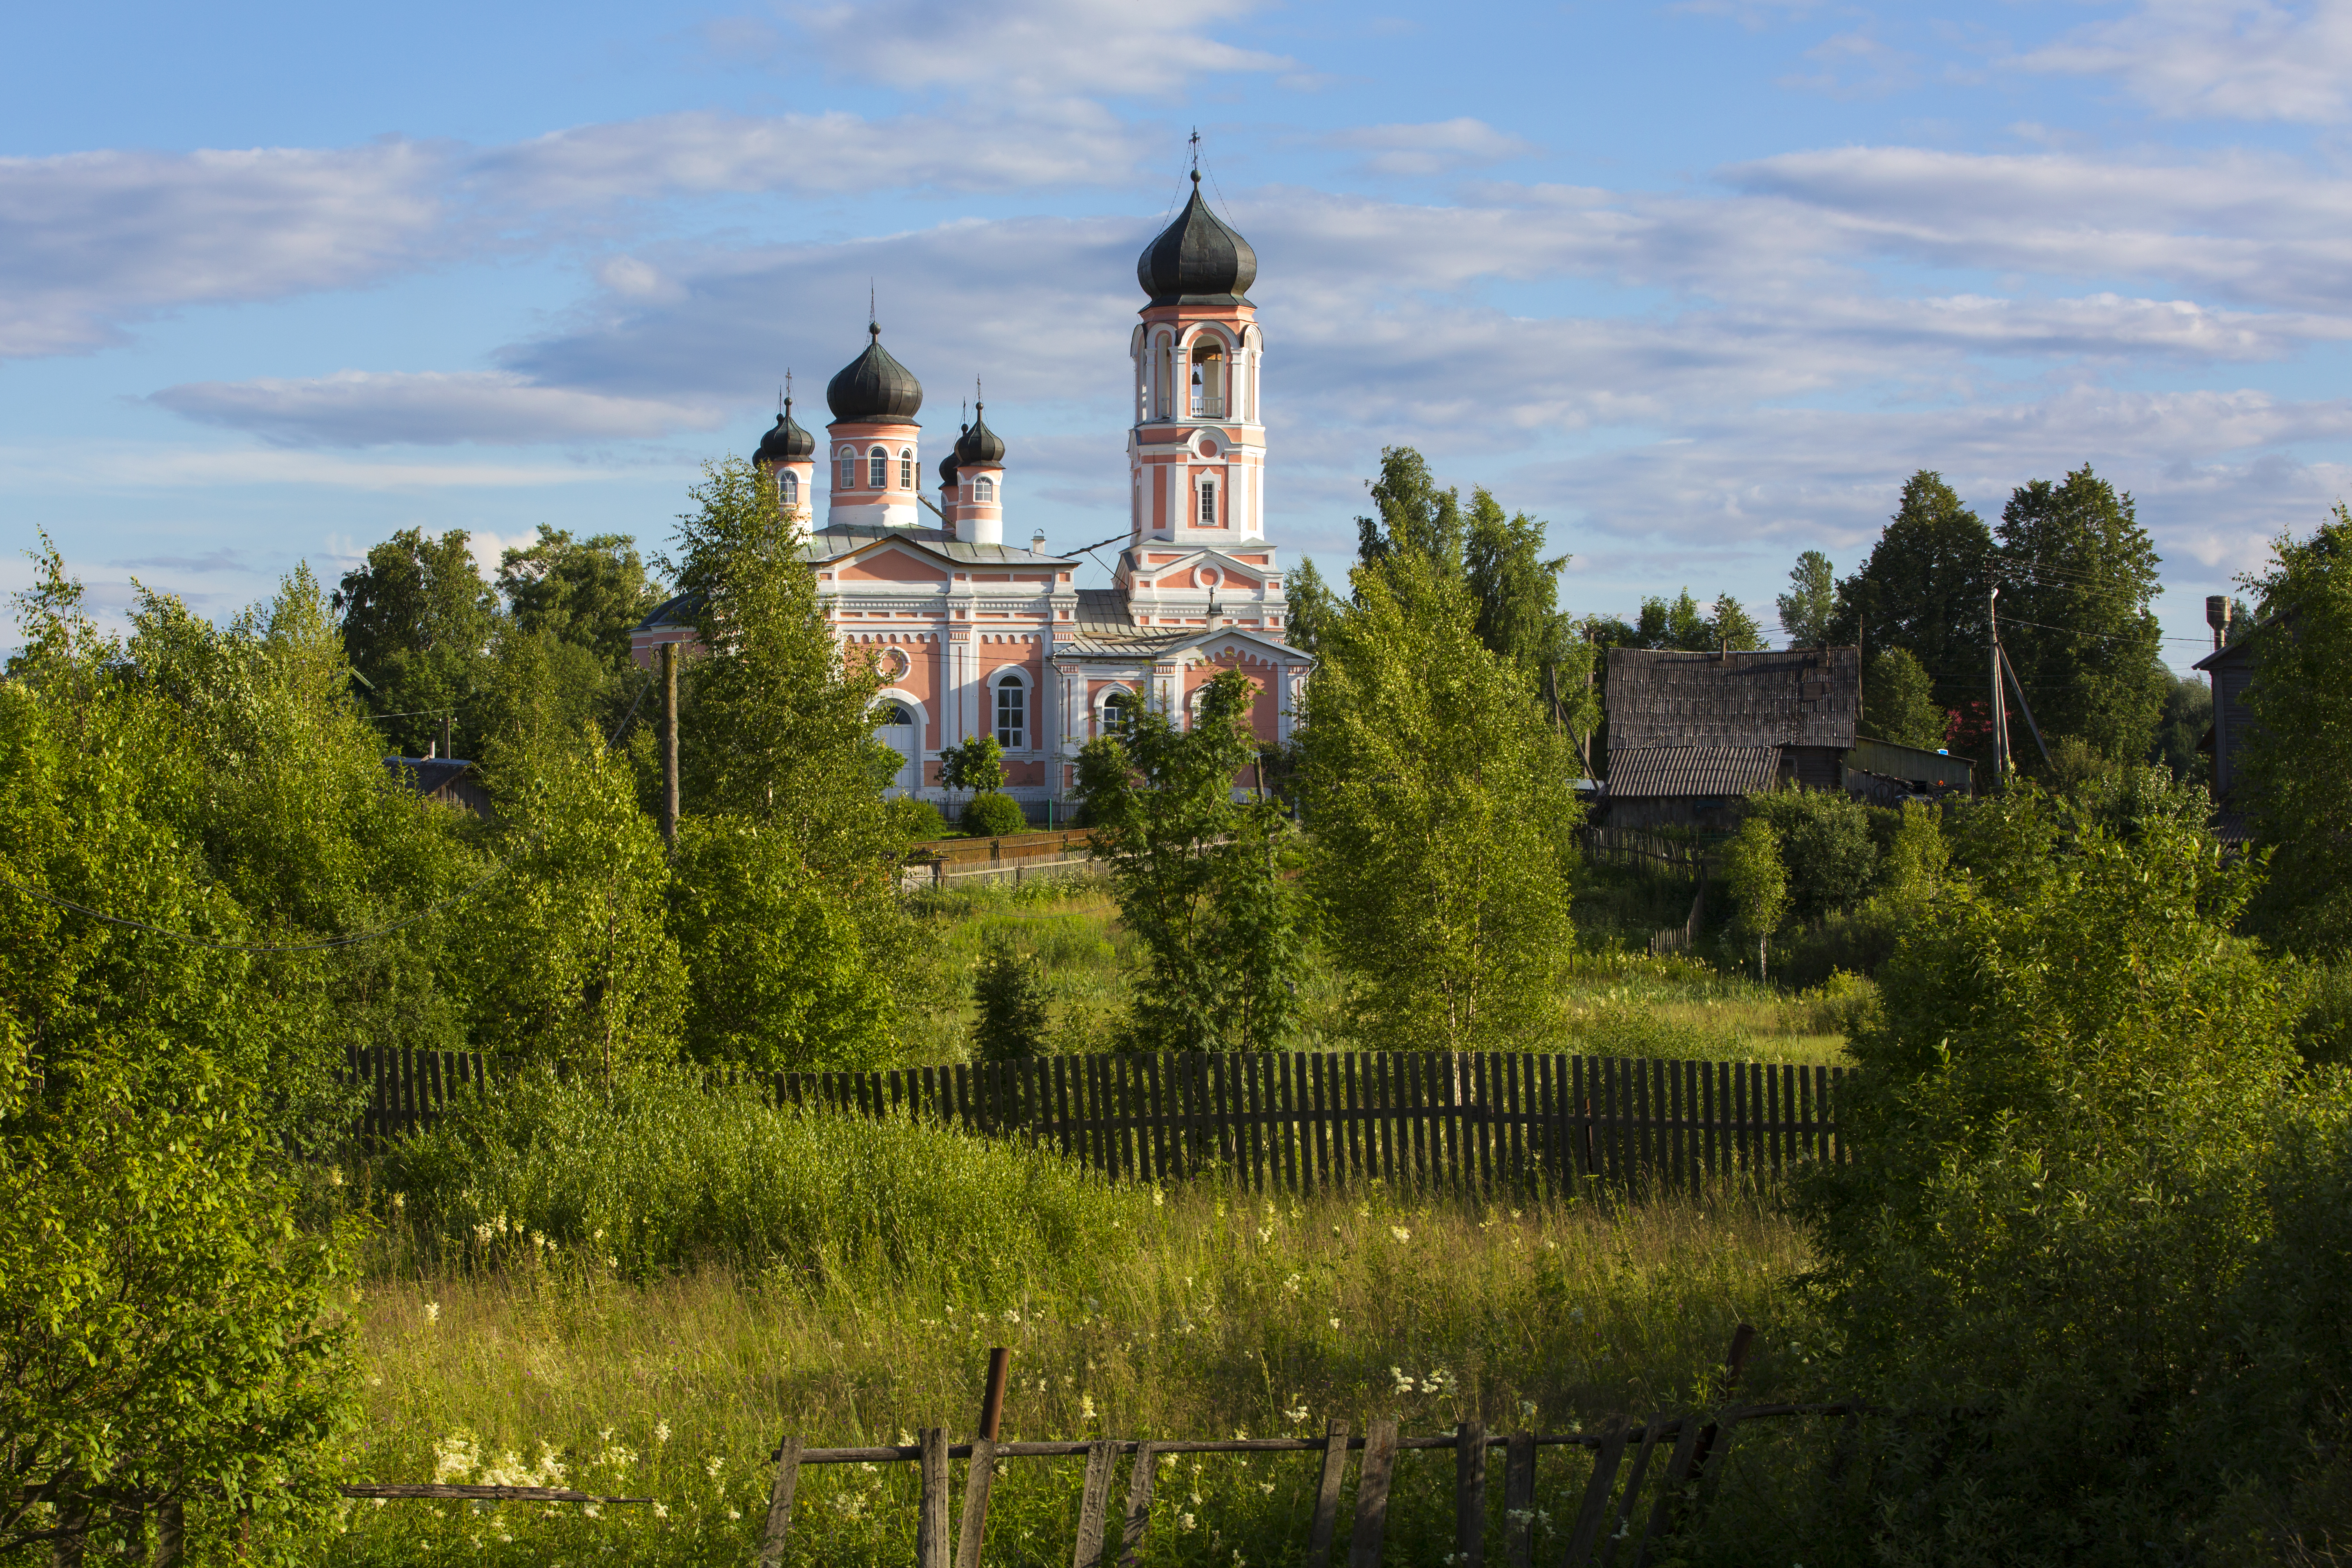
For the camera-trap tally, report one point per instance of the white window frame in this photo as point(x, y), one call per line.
point(906, 467)
point(1012, 678)
point(1204, 504)
point(788, 487)
point(877, 468)
point(1103, 707)
point(849, 467)
point(983, 490)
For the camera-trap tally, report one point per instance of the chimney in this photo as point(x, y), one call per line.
point(1037, 542)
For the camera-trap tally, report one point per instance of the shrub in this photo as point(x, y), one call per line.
point(663, 1172)
point(991, 814)
point(915, 821)
point(1011, 1025)
point(1825, 840)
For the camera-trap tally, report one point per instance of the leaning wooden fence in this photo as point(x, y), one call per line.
point(1301, 1121)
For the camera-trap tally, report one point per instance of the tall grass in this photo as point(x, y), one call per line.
point(658, 1172)
point(1212, 1314)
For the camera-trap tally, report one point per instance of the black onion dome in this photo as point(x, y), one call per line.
point(785, 442)
point(1197, 260)
point(980, 444)
point(948, 468)
point(873, 387)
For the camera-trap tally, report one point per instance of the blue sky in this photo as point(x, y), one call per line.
point(1699, 284)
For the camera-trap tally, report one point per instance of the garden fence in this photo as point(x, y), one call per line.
point(1301, 1121)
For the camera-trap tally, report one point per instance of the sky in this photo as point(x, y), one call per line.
point(1699, 284)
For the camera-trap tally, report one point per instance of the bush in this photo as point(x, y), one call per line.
point(1012, 1022)
point(994, 815)
point(915, 821)
point(1826, 842)
point(662, 1173)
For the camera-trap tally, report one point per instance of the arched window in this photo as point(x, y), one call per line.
point(1011, 712)
point(983, 489)
point(906, 467)
point(1208, 504)
point(878, 465)
point(895, 713)
point(1118, 714)
point(788, 487)
point(1208, 379)
point(849, 467)
point(1159, 400)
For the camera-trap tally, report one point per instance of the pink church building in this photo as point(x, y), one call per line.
point(977, 636)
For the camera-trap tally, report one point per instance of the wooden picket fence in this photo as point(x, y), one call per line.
point(1302, 1121)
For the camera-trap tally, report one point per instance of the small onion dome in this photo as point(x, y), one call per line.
point(948, 468)
point(980, 444)
point(785, 442)
point(873, 387)
point(1197, 260)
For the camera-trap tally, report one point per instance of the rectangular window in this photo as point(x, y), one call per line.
point(1011, 713)
point(848, 470)
point(878, 462)
point(1208, 504)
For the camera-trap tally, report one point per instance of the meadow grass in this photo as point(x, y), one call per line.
point(1212, 1314)
point(1613, 1002)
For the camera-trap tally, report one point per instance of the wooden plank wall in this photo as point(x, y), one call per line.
point(1301, 1121)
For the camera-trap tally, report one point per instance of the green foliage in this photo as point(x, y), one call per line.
point(1809, 610)
point(2181, 728)
point(783, 973)
point(569, 957)
point(2298, 751)
point(1681, 625)
point(1416, 520)
point(1443, 848)
point(994, 815)
point(418, 619)
point(590, 592)
point(1733, 627)
point(1012, 1022)
point(1924, 587)
point(2323, 1034)
point(915, 821)
point(166, 1331)
point(1195, 872)
point(660, 1172)
point(2078, 575)
point(977, 764)
point(1756, 879)
point(1825, 842)
point(2055, 1139)
point(1912, 869)
point(1515, 588)
point(1307, 605)
point(1898, 702)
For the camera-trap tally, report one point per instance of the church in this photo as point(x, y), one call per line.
point(975, 634)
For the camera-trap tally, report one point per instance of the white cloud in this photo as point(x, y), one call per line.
point(90, 240)
point(1855, 65)
point(1440, 147)
point(365, 408)
point(1025, 48)
point(92, 465)
point(2237, 59)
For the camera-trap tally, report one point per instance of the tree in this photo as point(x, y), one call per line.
point(1306, 606)
point(1757, 882)
point(2056, 1179)
point(2298, 750)
point(1809, 610)
point(1196, 874)
point(1443, 848)
point(976, 765)
point(1415, 518)
point(2181, 730)
point(1012, 1021)
point(2079, 574)
point(1515, 589)
point(1898, 700)
point(1731, 627)
point(1825, 843)
point(418, 619)
point(1922, 588)
point(1681, 625)
point(590, 592)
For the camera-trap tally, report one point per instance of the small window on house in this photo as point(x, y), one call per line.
point(983, 489)
point(788, 489)
point(1012, 713)
point(907, 469)
point(878, 465)
point(1118, 714)
point(1208, 504)
point(849, 467)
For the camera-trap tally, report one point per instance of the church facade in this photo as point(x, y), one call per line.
point(976, 634)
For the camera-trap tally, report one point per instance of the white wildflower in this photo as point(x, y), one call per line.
point(432, 1311)
point(1086, 1407)
point(1401, 1233)
point(713, 1465)
point(1291, 1284)
point(661, 1431)
point(1184, 1521)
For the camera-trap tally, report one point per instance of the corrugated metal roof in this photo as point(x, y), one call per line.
point(826, 543)
point(1673, 772)
point(1799, 696)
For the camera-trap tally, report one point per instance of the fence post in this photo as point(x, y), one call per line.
point(931, 1522)
point(1372, 1495)
point(1326, 1496)
point(1469, 1495)
point(779, 1504)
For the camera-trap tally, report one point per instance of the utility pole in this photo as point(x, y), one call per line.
point(2000, 709)
point(448, 722)
point(669, 743)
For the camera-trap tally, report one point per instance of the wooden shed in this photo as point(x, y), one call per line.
point(1685, 724)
